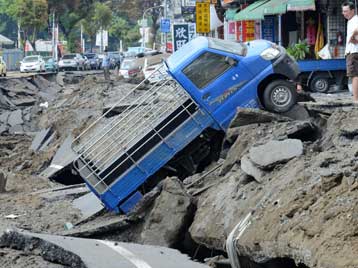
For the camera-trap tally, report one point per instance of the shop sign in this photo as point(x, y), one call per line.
point(268, 28)
point(203, 16)
point(182, 34)
point(165, 25)
point(245, 30)
point(231, 27)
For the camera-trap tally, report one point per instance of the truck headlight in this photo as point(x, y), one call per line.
point(270, 53)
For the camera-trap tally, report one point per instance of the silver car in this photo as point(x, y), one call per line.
point(73, 61)
point(32, 64)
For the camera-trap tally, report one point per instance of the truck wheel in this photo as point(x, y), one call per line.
point(279, 96)
point(319, 84)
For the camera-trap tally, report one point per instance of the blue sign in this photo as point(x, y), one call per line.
point(165, 25)
point(268, 28)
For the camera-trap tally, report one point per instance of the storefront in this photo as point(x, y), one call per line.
point(287, 22)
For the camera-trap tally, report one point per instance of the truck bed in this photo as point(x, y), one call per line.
point(117, 155)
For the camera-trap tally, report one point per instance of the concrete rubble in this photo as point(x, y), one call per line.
point(295, 175)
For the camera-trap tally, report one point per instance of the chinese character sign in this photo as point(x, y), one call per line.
point(245, 31)
point(203, 17)
point(182, 34)
point(249, 30)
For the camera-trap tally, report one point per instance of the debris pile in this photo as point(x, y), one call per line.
point(292, 177)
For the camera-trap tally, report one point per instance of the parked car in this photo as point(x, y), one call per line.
point(151, 64)
point(100, 57)
point(130, 68)
point(2, 67)
point(51, 64)
point(94, 61)
point(32, 64)
point(71, 61)
point(115, 59)
point(86, 63)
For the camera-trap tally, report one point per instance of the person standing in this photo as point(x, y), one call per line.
point(351, 52)
point(106, 65)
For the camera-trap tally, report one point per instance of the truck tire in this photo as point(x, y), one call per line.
point(279, 96)
point(320, 84)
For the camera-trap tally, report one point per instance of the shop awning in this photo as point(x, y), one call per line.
point(259, 9)
point(5, 41)
point(252, 12)
point(230, 13)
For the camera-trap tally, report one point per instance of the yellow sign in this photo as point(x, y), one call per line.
point(203, 16)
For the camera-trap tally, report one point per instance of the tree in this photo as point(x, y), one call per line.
point(31, 15)
point(99, 18)
point(134, 10)
point(69, 13)
point(122, 29)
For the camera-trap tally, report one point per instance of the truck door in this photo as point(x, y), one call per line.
point(216, 79)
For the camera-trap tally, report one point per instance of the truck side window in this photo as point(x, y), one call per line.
point(206, 68)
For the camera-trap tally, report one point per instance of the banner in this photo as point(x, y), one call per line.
point(104, 36)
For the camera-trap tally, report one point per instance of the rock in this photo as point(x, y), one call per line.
point(219, 208)
point(4, 116)
point(16, 129)
point(169, 216)
point(349, 128)
point(59, 79)
point(23, 100)
point(15, 118)
point(275, 152)
point(3, 180)
point(249, 116)
point(330, 180)
point(242, 143)
point(251, 169)
point(3, 128)
point(298, 112)
point(40, 139)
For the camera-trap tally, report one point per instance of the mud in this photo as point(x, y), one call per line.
point(303, 209)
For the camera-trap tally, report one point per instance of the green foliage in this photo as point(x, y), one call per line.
point(30, 14)
point(123, 30)
point(102, 16)
point(299, 50)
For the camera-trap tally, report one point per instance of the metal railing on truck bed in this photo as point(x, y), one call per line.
point(116, 155)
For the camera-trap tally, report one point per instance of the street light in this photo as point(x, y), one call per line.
point(161, 6)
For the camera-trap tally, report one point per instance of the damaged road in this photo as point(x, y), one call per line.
point(292, 178)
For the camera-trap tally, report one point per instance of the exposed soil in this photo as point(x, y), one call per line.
point(303, 208)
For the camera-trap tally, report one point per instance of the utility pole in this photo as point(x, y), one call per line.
point(18, 35)
point(54, 47)
point(165, 16)
point(101, 40)
point(82, 41)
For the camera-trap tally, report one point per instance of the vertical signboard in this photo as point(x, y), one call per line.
point(182, 34)
point(203, 16)
point(245, 30)
point(268, 28)
point(249, 30)
point(165, 25)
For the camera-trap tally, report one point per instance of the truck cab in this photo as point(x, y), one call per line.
point(178, 124)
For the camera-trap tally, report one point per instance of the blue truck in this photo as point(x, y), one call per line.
point(176, 127)
point(321, 75)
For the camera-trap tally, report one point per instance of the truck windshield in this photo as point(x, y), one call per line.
point(206, 68)
point(228, 46)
